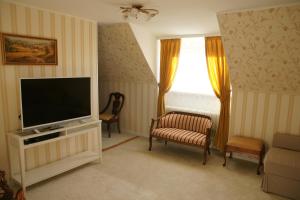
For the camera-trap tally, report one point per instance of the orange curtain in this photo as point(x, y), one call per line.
point(169, 53)
point(219, 77)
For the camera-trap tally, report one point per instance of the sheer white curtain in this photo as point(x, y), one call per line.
point(191, 89)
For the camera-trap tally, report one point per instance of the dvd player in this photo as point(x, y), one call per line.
point(41, 138)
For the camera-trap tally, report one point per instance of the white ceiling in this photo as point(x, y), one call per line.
point(177, 17)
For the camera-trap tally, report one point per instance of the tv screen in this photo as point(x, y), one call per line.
point(48, 101)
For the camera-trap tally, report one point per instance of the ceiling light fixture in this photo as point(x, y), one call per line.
point(137, 12)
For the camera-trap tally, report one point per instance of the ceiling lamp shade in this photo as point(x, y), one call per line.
point(138, 13)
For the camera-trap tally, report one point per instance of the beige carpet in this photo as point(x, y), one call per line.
point(115, 138)
point(130, 172)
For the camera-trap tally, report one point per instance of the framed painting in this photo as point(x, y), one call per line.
point(28, 50)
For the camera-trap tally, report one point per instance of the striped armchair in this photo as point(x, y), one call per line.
point(185, 128)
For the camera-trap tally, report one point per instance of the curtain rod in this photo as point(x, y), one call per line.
point(188, 36)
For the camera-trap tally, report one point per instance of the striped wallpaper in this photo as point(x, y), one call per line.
point(139, 107)
point(261, 114)
point(124, 68)
point(77, 56)
point(264, 70)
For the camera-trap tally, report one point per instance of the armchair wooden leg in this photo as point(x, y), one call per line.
point(150, 143)
point(208, 147)
point(108, 129)
point(204, 156)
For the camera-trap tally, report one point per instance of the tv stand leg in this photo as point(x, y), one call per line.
point(22, 165)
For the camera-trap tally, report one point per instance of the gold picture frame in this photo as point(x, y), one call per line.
point(28, 50)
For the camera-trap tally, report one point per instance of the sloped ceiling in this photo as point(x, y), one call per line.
point(148, 45)
point(120, 57)
point(263, 48)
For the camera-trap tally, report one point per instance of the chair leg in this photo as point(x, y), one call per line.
point(108, 129)
point(150, 143)
point(230, 154)
point(225, 151)
point(166, 142)
point(224, 164)
point(258, 167)
point(208, 147)
point(260, 164)
point(118, 125)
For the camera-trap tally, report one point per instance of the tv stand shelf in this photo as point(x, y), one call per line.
point(17, 148)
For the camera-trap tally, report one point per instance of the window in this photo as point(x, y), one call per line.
point(191, 75)
point(191, 90)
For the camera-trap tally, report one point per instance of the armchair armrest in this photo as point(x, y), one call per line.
point(155, 121)
point(287, 141)
point(208, 131)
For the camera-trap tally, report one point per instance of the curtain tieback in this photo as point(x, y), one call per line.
point(225, 97)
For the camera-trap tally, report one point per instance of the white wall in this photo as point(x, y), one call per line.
point(148, 45)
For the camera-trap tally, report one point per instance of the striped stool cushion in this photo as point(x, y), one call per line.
point(186, 122)
point(180, 135)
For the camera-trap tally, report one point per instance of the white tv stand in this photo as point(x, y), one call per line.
point(17, 148)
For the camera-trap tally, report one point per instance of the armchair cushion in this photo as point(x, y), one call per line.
point(283, 162)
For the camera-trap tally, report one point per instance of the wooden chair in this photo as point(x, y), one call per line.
point(117, 99)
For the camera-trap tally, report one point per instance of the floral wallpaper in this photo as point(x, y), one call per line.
point(124, 68)
point(120, 57)
point(263, 48)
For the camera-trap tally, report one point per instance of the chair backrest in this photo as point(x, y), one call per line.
point(187, 121)
point(117, 99)
point(118, 102)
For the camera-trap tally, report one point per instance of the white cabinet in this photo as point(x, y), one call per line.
point(91, 150)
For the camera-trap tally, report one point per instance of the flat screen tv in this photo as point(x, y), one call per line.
point(51, 101)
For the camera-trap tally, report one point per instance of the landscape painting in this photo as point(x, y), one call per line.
point(27, 50)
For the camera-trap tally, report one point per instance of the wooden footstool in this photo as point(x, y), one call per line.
point(248, 145)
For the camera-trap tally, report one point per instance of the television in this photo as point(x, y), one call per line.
point(47, 102)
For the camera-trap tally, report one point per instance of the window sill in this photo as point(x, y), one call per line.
point(193, 102)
